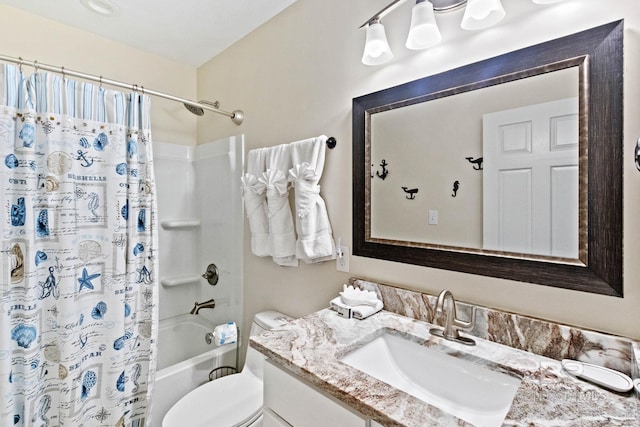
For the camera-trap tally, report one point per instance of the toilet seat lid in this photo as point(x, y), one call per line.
point(228, 401)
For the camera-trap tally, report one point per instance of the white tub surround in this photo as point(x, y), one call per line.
point(311, 348)
point(185, 360)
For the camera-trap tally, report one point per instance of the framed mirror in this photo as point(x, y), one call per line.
point(510, 167)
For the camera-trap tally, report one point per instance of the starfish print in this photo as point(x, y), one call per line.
point(85, 280)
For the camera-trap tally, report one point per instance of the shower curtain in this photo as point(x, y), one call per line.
point(78, 297)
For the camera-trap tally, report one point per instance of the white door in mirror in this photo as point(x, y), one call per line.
point(605, 377)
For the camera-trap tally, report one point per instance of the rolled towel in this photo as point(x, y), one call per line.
point(355, 296)
point(363, 311)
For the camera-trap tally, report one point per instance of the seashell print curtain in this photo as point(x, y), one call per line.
point(78, 267)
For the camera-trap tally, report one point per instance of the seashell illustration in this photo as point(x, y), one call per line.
point(120, 382)
point(40, 257)
point(125, 211)
point(62, 372)
point(11, 161)
point(83, 142)
point(141, 220)
point(100, 142)
point(81, 320)
point(132, 148)
point(88, 382)
point(144, 329)
point(18, 213)
point(52, 353)
point(23, 335)
point(17, 264)
point(16, 419)
point(138, 248)
point(88, 250)
point(42, 225)
point(34, 364)
point(127, 310)
point(59, 163)
point(51, 184)
point(118, 344)
point(27, 135)
point(121, 168)
point(145, 187)
point(99, 310)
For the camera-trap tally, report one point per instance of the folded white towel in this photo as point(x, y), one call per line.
point(315, 240)
point(363, 311)
point(282, 234)
point(254, 194)
point(353, 296)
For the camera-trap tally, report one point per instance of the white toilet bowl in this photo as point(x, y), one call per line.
point(231, 401)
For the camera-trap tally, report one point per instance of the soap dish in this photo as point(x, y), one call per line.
point(605, 377)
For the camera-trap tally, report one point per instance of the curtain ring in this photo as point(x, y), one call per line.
point(135, 87)
point(100, 80)
point(142, 88)
point(20, 62)
point(64, 77)
point(35, 66)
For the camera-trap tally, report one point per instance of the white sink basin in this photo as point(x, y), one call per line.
point(467, 390)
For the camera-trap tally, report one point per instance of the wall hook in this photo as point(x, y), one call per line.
point(385, 172)
point(637, 154)
point(456, 187)
point(477, 163)
point(411, 192)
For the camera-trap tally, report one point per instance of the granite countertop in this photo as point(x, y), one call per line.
point(311, 347)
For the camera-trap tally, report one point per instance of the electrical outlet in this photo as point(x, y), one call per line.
point(342, 262)
point(433, 217)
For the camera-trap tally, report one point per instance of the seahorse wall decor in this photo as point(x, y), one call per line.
point(456, 187)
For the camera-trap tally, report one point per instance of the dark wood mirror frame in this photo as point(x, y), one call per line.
point(598, 52)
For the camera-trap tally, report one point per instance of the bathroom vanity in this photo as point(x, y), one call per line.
point(321, 370)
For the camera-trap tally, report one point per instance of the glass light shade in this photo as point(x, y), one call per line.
point(376, 48)
point(481, 14)
point(424, 31)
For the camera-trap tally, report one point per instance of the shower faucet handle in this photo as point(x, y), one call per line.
point(211, 275)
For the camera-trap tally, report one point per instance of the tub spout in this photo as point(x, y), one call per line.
point(207, 304)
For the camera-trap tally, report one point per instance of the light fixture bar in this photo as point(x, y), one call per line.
point(447, 5)
point(384, 12)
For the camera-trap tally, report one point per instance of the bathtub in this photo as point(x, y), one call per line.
point(184, 360)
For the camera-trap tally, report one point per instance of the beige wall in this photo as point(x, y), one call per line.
point(34, 38)
point(295, 77)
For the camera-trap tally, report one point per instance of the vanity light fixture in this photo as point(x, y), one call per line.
point(423, 31)
point(376, 48)
point(101, 7)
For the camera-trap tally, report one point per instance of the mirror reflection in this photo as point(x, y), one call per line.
point(491, 169)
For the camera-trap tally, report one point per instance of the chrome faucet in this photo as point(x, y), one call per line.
point(452, 324)
point(207, 304)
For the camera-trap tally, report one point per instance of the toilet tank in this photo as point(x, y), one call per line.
point(262, 321)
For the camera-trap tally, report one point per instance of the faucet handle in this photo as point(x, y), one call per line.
point(466, 326)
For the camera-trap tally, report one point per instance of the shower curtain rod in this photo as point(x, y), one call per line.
point(236, 116)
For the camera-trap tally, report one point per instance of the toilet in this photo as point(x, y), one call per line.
point(233, 400)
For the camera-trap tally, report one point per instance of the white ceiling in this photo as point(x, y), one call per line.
point(188, 31)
